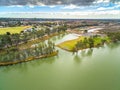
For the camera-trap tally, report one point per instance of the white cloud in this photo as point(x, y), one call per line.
point(31, 6)
point(20, 6)
point(70, 7)
point(59, 2)
point(102, 1)
point(106, 8)
point(109, 8)
point(117, 6)
point(52, 6)
point(75, 15)
point(109, 12)
point(101, 8)
point(40, 4)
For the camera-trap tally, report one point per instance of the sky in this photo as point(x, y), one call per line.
point(63, 9)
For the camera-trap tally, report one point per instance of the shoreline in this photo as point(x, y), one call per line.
point(29, 59)
point(78, 49)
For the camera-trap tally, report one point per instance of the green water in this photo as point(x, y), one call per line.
point(96, 69)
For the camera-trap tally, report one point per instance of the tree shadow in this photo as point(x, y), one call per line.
point(89, 52)
point(21, 67)
point(86, 53)
point(77, 58)
point(49, 60)
point(113, 45)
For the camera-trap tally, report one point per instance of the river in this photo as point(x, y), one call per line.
point(91, 69)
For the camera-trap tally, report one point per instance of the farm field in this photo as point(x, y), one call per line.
point(13, 30)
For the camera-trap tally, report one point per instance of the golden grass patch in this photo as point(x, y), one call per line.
point(13, 30)
point(69, 45)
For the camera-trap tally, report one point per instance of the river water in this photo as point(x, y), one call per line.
point(91, 69)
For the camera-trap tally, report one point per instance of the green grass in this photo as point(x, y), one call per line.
point(13, 30)
point(98, 40)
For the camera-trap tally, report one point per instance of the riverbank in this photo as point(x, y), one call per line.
point(29, 59)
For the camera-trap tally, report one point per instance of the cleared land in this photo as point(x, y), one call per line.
point(13, 30)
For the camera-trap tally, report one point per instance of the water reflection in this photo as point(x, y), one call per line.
point(23, 67)
point(77, 58)
point(113, 45)
point(82, 54)
point(50, 61)
point(87, 52)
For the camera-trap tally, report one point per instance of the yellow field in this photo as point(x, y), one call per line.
point(13, 30)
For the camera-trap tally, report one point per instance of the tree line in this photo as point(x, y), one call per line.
point(89, 42)
point(114, 36)
point(36, 51)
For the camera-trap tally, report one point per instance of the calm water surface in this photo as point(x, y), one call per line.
point(92, 69)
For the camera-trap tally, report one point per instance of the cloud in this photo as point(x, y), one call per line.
point(114, 7)
point(115, 0)
point(101, 8)
point(31, 6)
point(102, 1)
point(113, 14)
point(52, 6)
point(106, 8)
point(52, 2)
point(71, 7)
point(20, 6)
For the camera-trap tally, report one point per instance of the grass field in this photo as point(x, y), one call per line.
point(69, 45)
point(13, 30)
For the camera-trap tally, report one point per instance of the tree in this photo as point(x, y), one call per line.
point(91, 42)
point(85, 31)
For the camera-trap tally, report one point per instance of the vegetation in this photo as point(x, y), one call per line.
point(83, 43)
point(13, 30)
point(17, 45)
point(114, 36)
point(93, 41)
point(69, 45)
point(10, 42)
point(38, 51)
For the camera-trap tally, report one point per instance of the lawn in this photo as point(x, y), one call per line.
point(13, 30)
